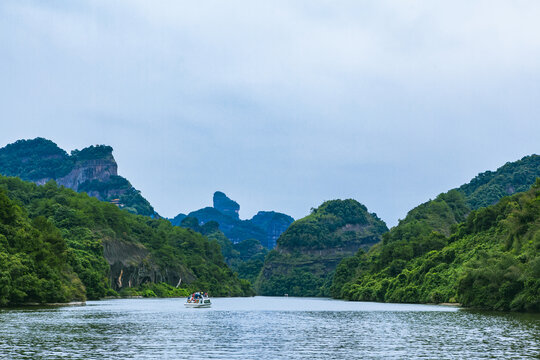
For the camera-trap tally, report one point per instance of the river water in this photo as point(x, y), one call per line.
point(265, 328)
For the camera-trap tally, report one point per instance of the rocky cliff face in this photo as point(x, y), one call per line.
point(92, 170)
point(131, 265)
point(89, 170)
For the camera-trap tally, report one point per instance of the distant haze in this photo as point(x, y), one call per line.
point(279, 104)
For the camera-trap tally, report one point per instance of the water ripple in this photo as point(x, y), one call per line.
point(265, 328)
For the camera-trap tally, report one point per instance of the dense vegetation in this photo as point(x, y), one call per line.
point(33, 259)
point(424, 229)
point(85, 224)
point(93, 152)
point(490, 186)
point(40, 159)
point(130, 199)
point(245, 258)
point(490, 260)
point(463, 246)
point(34, 160)
point(326, 227)
point(430, 255)
point(310, 249)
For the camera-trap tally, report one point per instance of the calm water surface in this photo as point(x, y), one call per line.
point(265, 328)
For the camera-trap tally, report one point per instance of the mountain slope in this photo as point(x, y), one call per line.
point(491, 261)
point(245, 258)
point(114, 250)
point(33, 259)
point(489, 187)
point(308, 252)
point(424, 236)
point(92, 170)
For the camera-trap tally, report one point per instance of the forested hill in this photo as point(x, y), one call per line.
point(310, 249)
point(92, 170)
point(452, 207)
point(245, 257)
point(489, 187)
point(379, 274)
point(59, 245)
point(33, 259)
point(413, 235)
point(491, 260)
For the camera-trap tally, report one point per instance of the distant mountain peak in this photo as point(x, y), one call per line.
point(225, 205)
point(266, 226)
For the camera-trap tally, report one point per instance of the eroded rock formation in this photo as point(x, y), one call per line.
point(131, 265)
point(266, 226)
point(92, 170)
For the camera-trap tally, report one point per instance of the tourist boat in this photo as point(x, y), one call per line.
point(198, 300)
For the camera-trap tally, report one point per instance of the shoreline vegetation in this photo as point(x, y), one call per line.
point(57, 245)
point(35, 304)
point(489, 259)
point(476, 246)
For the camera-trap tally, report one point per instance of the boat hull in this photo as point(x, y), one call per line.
point(195, 305)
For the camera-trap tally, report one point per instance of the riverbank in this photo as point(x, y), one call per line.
point(451, 304)
point(34, 304)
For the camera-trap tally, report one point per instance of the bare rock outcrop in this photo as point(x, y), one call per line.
point(89, 170)
point(131, 265)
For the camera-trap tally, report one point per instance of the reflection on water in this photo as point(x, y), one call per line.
point(263, 327)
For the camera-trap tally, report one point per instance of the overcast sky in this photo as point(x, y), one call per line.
point(280, 104)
